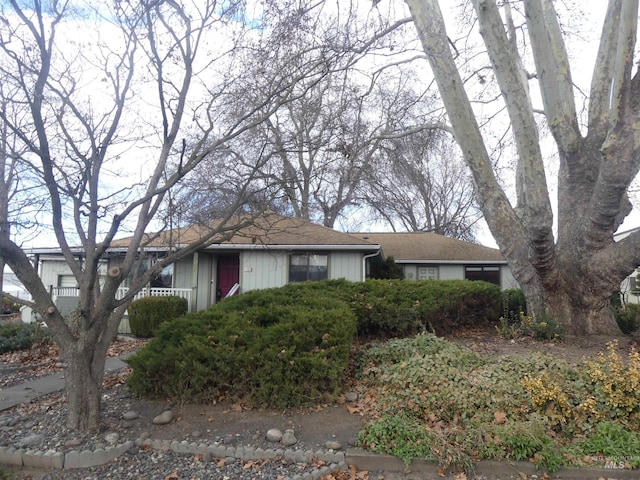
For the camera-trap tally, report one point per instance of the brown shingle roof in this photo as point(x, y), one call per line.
point(269, 229)
point(425, 247)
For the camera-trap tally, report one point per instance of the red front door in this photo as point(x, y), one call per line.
point(228, 274)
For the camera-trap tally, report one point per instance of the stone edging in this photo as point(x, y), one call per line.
point(335, 460)
point(86, 458)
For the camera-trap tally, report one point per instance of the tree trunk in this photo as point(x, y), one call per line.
point(576, 298)
point(84, 372)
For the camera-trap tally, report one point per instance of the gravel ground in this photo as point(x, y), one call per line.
point(41, 426)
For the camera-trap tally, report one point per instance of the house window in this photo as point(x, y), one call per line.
point(67, 281)
point(489, 274)
point(308, 266)
point(164, 278)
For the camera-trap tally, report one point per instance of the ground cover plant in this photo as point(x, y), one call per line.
point(468, 406)
point(18, 335)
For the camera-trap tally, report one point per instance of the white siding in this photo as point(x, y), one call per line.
point(451, 272)
point(182, 273)
point(51, 269)
point(410, 272)
point(263, 269)
point(507, 279)
point(206, 279)
point(346, 265)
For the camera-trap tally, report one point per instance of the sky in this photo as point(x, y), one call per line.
point(582, 70)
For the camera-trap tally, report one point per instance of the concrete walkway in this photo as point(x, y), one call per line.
point(28, 391)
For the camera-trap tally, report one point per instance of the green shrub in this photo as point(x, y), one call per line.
point(146, 314)
point(401, 435)
point(386, 269)
point(267, 348)
point(20, 336)
point(541, 327)
point(513, 301)
point(628, 317)
point(401, 308)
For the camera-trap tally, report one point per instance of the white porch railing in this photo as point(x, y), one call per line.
point(122, 291)
point(65, 294)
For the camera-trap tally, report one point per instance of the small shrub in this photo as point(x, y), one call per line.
point(21, 336)
point(146, 314)
point(628, 317)
point(541, 327)
point(386, 269)
point(617, 382)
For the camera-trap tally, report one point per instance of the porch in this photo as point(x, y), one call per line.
point(66, 299)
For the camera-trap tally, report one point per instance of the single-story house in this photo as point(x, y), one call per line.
point(429, 256)
point(274, 251)
point(271, 252)
point(630, 287)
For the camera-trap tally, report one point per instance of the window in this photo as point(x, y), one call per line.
point(308, 266)
point(164, 278)
point(487, 273)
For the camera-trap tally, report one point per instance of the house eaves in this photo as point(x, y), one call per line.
point(306, 247)
point(453, 262)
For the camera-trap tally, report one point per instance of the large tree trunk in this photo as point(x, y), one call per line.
point(579, 306)
point(84, 354)
point(84, 372)
point(572, 275)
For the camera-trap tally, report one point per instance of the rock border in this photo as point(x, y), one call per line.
point(86, 458)
point(335, 460)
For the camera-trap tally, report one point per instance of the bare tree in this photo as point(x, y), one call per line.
point(314, 149)
point(106, 118)
point(572, 274)
point(418, 183)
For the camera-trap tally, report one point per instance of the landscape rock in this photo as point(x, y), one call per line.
point(31, 440)
point(333, 445)
point(274, 435)
point(164, 418)
point(130, 415)
point(288, 438)
point(351, 396)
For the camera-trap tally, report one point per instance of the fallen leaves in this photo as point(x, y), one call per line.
point(499, 417)
point(351, 474)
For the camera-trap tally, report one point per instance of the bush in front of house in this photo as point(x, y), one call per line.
point(400, 308)
point(146, 314)
point(389, 308)
point(627, 317)
point(264, 348)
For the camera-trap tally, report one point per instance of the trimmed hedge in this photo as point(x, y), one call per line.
point(400, 307)
point(277, 355)
point(289, 346)
point(146, 314)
